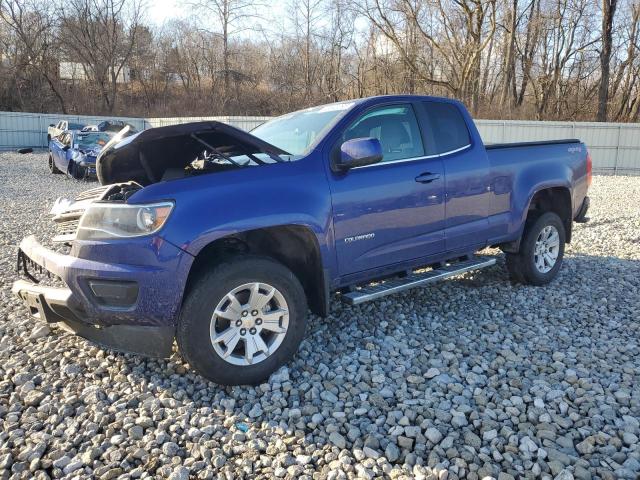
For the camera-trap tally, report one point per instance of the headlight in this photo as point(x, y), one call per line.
point(109, 220)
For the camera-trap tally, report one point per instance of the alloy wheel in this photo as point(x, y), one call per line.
point(546, 249)
point(249, 324)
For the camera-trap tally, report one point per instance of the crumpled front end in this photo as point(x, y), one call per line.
point(87, 163)
point(124, 294)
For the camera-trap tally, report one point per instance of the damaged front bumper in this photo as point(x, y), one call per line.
point(52, 305)
point(128, 308)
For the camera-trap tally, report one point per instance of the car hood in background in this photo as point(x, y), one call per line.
point(145, 156)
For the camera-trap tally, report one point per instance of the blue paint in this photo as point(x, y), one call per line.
point(368, 221)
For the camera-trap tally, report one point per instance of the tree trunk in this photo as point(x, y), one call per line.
point(509, 58)
point(608, 13)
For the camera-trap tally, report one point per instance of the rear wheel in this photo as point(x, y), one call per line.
point(52, 165)
point(242, 320)
point(541, 251)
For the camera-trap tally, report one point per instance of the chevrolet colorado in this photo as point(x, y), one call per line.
point(222, 239)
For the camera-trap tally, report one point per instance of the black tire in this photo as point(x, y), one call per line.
point(193, 332)
point(522, 266)
point(22, 151)
point(75, 170)
point(52, 165)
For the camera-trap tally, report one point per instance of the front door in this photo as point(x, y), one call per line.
point(393, 211)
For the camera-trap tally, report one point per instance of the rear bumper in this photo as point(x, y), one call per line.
point(54, 305)
point(124, 306)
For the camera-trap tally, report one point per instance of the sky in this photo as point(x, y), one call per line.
point(162, 10)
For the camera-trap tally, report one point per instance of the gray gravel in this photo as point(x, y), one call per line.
point(471, 378)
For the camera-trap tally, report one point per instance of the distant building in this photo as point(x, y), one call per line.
point(77, 71)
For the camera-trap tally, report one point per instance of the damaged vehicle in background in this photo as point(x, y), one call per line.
point(57, 129)
point(115, 126)
point(75, 152)
point(222, 240)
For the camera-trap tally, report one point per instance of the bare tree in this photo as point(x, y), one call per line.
point(34, 27)
point(545, 59)
point(608, 14)
point(627, 74)
point(509, 59)
point(232, 17)
point(102, 34)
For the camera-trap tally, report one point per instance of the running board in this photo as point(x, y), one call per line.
point(399, 284)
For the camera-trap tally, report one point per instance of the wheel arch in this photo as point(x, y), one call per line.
point(553, 198)
point(295, 246)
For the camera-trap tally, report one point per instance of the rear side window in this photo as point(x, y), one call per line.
point(448, 126)
point(395, 127)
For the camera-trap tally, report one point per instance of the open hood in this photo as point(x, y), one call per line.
point(147, 156)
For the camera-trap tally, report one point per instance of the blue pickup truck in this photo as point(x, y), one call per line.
point(222, 240)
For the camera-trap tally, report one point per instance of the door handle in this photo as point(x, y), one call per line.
point(427, 177)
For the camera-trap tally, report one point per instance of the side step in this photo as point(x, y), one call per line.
point(395, 285)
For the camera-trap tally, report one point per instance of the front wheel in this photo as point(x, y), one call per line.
point(242, 320)
point(541, 251)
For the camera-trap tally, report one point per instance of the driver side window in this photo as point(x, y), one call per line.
point(396, 128)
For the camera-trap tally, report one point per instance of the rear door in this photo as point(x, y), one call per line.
point(467, 173)
point(393, 211)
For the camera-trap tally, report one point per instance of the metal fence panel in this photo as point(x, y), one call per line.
point(614, 147)
point(30, 129)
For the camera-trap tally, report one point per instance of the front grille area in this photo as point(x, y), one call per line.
point(92, 194)
point(66, 229)
point(68, 219)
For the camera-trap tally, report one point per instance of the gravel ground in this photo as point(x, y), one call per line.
point(472, 378)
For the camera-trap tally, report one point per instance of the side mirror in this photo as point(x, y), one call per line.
point(52, 125)
point(357, 152)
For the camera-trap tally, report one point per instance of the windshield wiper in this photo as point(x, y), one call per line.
point(277, 158)
point(273, 156)
point(216, 151)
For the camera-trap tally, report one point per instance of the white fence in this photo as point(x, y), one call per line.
point(614, 147)
point(19, 130)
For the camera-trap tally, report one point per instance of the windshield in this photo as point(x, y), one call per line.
point(296, 132)
point(93, 140)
